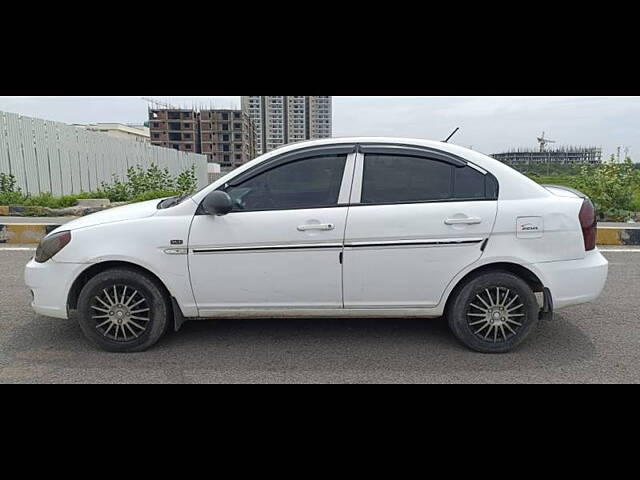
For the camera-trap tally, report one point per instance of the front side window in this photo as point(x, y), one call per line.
point(407, 179)
point(308, 183)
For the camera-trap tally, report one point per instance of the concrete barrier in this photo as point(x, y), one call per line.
point(33, 233)
point(618, 236)
point(79, 210)
point(25, 232)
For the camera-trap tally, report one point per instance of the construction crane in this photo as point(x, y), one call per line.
point(153, 103)
point(543, 141)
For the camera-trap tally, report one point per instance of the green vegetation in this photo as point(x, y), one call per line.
point(613, 187)
point(9, 192)
point(140, 185)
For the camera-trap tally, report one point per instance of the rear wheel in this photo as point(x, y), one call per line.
point(122, 310)
point(493, 312)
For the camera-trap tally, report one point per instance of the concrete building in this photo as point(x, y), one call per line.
point(297, 124)
point(139, 133)
point(253, 107)
point(227, 137)
point(320, 116)
point(175, 128)
point(275, 131)
point(280, 120)
point(224, 136)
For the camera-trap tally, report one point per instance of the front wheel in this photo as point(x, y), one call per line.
point(122, 310)
point(493, 312)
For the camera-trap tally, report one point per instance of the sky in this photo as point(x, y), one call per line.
point(487, 124)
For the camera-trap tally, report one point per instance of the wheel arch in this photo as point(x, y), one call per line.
point(95, 269)
point(520, 271)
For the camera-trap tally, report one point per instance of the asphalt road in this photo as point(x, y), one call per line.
point(593, 343)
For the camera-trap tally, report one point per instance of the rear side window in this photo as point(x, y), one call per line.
point(397, 179)
point(407, 179)
point(468, 183)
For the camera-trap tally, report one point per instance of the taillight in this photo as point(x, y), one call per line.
point(589, 224)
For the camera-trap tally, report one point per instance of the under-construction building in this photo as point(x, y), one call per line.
point(224, 136)
point(561, 155)
point(227, 137)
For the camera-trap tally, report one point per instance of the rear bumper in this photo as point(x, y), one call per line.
point(575, 281)
point(50, 283)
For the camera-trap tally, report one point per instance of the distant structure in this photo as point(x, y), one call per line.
point(214, 172)
point(139, 133)
point(543, 142)
point(224, 136)
point(559, 155)
point(281, 120)
point(227, 137)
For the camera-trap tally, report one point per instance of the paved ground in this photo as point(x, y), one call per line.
point(589, 343)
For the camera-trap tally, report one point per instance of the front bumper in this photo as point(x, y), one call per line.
point(50, 283)
point(575, 281)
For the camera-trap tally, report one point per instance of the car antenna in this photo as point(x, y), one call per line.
point(449, 137)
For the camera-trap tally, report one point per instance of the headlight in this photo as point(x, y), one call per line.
point(51, 245)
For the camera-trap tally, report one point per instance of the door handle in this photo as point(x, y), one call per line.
point(318, 226)
point(463, 221)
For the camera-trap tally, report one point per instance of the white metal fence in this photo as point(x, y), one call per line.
point(46, 156)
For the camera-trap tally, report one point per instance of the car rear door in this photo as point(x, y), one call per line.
point(417, 218)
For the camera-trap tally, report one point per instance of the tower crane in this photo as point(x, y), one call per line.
point(543, 141)
point(153, 102)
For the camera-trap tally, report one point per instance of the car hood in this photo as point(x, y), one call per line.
point(112, 215)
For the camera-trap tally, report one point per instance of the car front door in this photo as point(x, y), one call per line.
point(417, 219)
point(280, 247)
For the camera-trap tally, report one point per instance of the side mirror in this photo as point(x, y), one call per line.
point(218, 203)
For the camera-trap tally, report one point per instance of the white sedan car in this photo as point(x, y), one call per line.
point(351, 227)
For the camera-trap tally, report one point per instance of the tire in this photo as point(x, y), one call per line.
point(493, 312)
point(130, 319)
